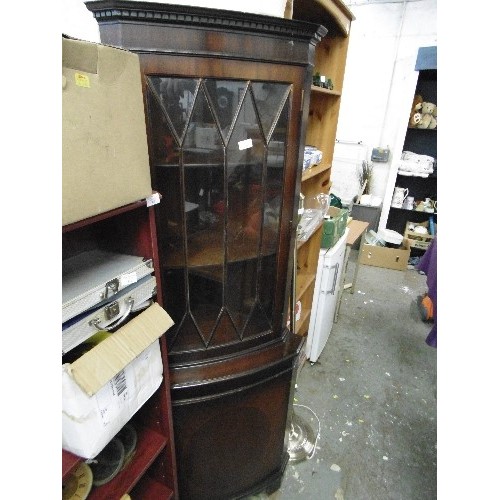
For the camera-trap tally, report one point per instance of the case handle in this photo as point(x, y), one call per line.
point(95, 322)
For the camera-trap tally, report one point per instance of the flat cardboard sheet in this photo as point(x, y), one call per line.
point(96, 367)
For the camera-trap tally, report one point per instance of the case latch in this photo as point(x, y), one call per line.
point(111, 310)
point(111, 287)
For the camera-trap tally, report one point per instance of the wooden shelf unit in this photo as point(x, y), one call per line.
point(131, 229)
point(324, 107)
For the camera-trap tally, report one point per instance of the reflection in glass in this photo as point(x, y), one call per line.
point(245, 177)
point(269, 98)
point(176, 98)
point(226, 96)
point(204, 191)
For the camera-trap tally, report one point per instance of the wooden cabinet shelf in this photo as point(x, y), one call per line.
point(312, 172)
point(206, 249)
point(304, 281)
point(149, 446)
point(315, 88)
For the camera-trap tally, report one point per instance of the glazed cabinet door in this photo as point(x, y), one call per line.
point(220, 154)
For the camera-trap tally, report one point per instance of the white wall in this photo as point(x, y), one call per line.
point(77, 21)
point(379, 85)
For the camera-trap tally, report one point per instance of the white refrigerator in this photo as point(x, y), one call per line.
point(326, 293)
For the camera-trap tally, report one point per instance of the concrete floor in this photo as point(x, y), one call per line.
point(373, 390)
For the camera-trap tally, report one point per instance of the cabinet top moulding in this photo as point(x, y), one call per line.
point(230, 23)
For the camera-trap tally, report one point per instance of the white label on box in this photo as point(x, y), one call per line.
point(114, 396)
point(247, 143)
point(128, 279)
point(154, 199)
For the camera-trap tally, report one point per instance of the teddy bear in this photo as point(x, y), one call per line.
point(423, 114)
point(429, 116)
point(415, 113)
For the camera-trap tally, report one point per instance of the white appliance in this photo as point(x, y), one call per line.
point(326, 294)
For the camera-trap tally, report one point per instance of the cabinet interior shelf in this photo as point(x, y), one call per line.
point(206, 249)
point(218, 164)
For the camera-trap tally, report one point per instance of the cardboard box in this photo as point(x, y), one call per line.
point(106, 386)
point(105, 161)
point(390, 258)
point(419, 240)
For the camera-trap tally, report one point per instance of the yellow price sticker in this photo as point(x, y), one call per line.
point(82, 80)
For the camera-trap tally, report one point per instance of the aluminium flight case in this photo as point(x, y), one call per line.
point(108, 315)
point(96, 275)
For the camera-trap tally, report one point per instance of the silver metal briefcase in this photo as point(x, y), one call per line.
point(95, 276)
point(108, 316)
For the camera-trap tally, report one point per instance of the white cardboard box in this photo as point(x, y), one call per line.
point(106, 386)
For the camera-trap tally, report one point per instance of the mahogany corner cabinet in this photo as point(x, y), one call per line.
point(226, 96)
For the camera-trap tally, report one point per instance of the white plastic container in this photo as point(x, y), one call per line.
point(392, 238)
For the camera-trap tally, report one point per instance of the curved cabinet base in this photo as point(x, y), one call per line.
point(230, 431)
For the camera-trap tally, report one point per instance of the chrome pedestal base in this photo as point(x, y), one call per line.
point(301, 439)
